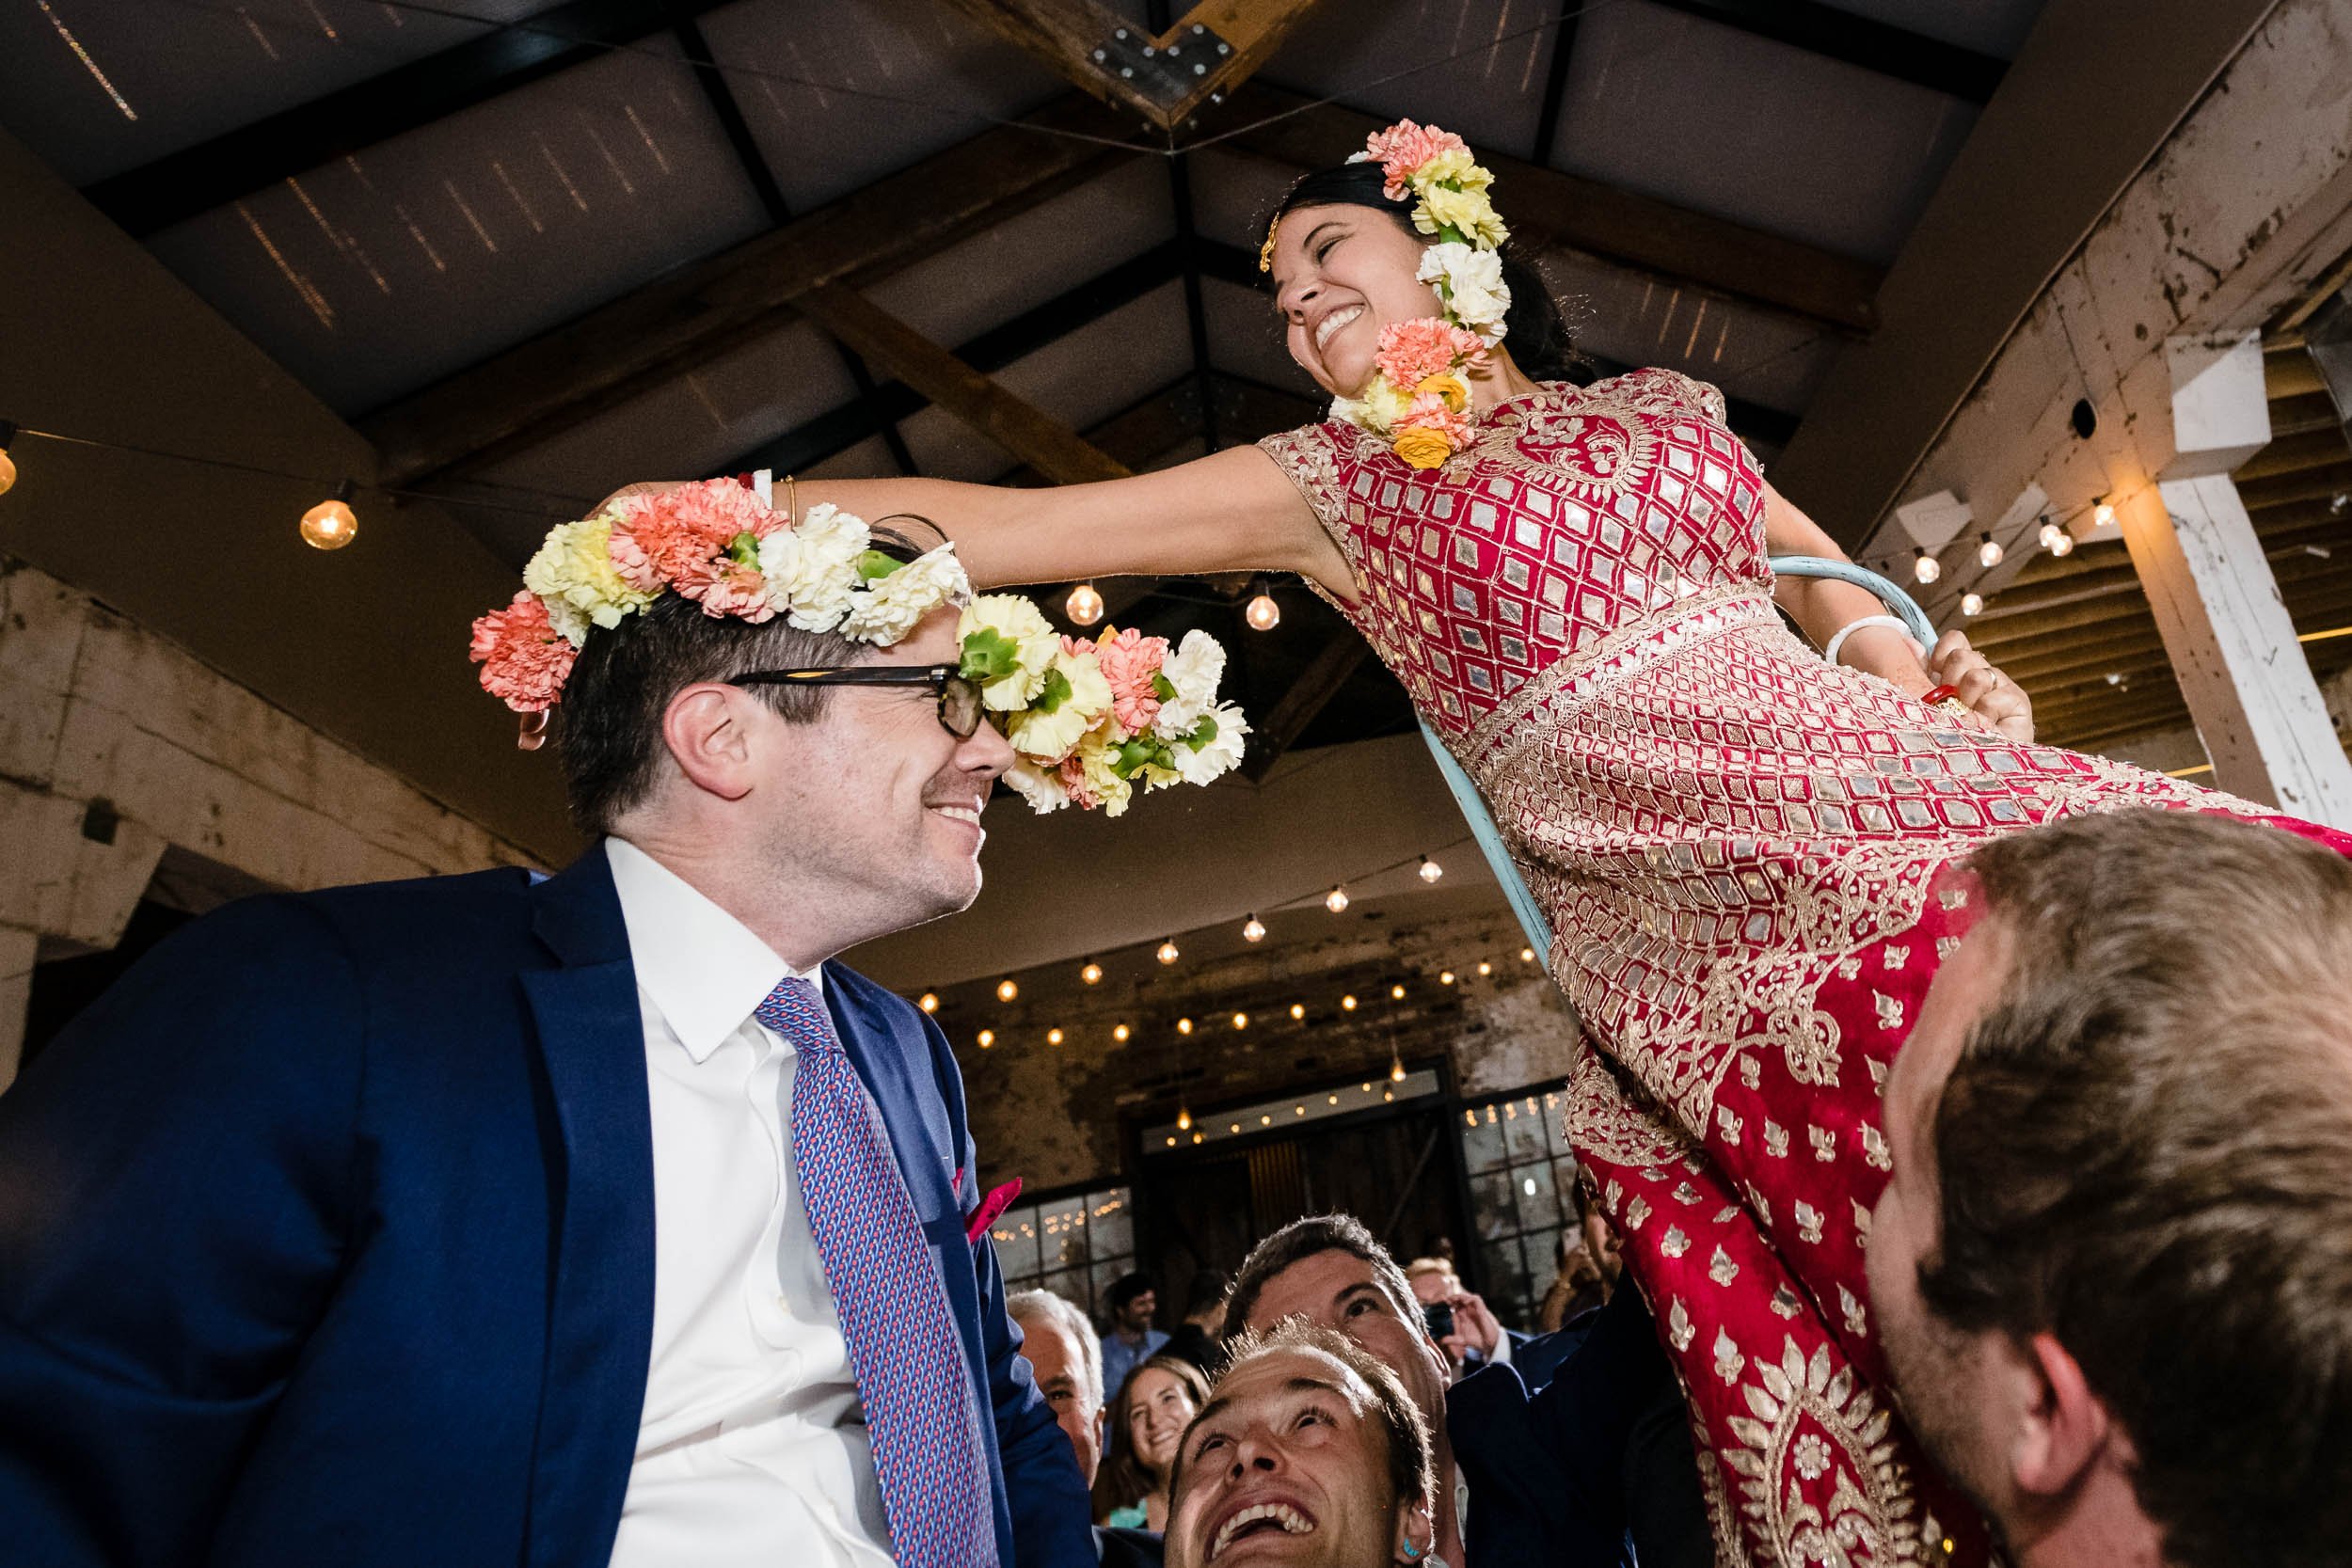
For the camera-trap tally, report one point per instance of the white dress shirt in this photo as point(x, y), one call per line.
point(751, 1449)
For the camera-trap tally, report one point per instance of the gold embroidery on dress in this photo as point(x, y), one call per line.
point(1867, 1518)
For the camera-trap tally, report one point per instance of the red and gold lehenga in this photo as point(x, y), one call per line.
point(1736, 844)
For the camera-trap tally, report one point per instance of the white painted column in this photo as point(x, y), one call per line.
point(2225, 629)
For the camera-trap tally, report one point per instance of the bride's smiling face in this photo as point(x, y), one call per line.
point(1341, 274)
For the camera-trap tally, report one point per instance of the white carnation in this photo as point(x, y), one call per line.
point(811, 567)
point(1194, 670)
point(1040, 786)
point(1216, 756)
point(889, 608)
point(568, 619)
point(1475, 291)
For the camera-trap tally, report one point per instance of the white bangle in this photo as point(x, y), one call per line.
point(1889, 622)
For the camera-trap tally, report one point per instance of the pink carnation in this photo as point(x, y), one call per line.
point(1130, 661)
point(1429, 411)
point(1072, 774)
point(1410, 352)
point(680, 539)
point(524, 659)
point(1403, 147)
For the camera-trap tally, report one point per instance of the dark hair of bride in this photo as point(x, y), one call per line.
point(1535, 330)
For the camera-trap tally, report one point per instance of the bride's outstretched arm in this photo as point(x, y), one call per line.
point(1232, 511)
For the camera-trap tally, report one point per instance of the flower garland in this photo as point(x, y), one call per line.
point(1091, 722)
point(720, 544)
point(1419, 396)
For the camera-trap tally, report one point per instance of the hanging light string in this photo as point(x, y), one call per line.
point(572, 505)
point(1900, 566)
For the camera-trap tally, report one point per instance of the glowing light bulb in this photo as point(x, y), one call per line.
point(1006, 989)
point(1167, 954)
point(1445, 976)
point(1396, 1069)
point(1925, 567)
point(1527, 955)
point(8, 464)
point(1241, 1020)
point(1989, 553)
point(1196, 1138)
point(1298, 1009)
point(1053, 1036)
point(1091, 974)
point(1486, 967)
point(1183, 1118)
point(1184, 1027)
point(2063, 544)
point(1084, 606)
point(930, 1002)
point(1263, 614)
point(332, 524)
point(988, 1037)
point(1971, 604)
point(2050, 534)
point(1396, 994)
point(1430, 870)
point(1253, 930)
point(1347, 1002)
point(1120, 1033)
point(1336, 900)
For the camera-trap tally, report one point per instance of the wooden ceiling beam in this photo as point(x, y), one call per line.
point(1308, 695)
point(1552, 210)
point(618, 350)
point(2299, 453)
point(1165, 76)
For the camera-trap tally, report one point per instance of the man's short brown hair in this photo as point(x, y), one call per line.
point(1303, 1239)
point(1411, 1472)
point(2145, 1149)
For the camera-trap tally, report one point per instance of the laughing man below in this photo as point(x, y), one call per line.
point(1309, 1454)
point(2111, 1265)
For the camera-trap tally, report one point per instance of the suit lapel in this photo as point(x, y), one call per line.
point(915, 1122)
point(600, 1300)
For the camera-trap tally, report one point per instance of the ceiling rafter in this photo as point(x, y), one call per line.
point(179, 186)
point(1842, 35)
point(1164, 75)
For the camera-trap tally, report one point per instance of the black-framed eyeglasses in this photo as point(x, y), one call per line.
point(958, 696)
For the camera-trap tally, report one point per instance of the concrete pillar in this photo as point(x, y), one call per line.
point(2232, 645)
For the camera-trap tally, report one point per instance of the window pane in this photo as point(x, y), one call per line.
point(1523, 1131)
point(1015, 1235)
point(1062, 1232)
point(1492, 1206)
point(1482, 1142)
point(1538, 1201)
point(1110, 1221)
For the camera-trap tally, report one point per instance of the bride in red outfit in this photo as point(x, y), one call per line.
point(1735, 839)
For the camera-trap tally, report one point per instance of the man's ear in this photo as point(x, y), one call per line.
point(705, 731)
point(2063, 1427)
point(1416, 1534)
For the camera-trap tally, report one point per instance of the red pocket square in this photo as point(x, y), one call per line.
point(995, 1203)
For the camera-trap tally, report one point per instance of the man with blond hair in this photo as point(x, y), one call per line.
point(2111, 1268)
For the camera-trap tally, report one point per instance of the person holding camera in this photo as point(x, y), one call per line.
point(1458, 1318)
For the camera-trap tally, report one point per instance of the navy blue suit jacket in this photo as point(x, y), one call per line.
point(327, 1237)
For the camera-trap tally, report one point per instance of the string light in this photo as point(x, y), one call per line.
point(1336, 900)
point(1183, 1118)
point(2063, 546)
point(332, 524)
point(1971, 604)
point(1925, 567)
point(8, 464)
point(930, 1002)
point(1989, 553)
point(1253, 930)
point(1430, 870)
point(1168, 953)
point(1184, 1027)
point(1486, 967)
point(1396, 1069)
point(1120, 1033)
point(1053, 1036)
point(2051, 533)
point(2104, 514)
point(1263, 614)
point(1298, 1009)
point(1084, 606)
point(1445, 976)
point(1347, 1002)
point(1527, 955)
point(1091, 974)
point(1241, 1020)
point(1006, 989)
point(988, 1037)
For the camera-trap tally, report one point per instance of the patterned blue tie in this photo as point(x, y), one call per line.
point(903, 1346)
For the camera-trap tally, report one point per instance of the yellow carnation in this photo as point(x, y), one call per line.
point(1036, 646)
point(1423, 447)
point(1456, 166)
point(1468, 212)
point(1049, 736)
point(1102, 778)
point(573, 567)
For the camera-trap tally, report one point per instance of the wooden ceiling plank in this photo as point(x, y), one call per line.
point(1163, 77)
point(2300, 454)
point(1017, 425)
point(614, 351)
point(1552, 210)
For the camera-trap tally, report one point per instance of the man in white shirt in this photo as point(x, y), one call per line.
point(551, 1221)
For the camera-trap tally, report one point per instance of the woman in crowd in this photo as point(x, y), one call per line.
point(1148, 1417)
point(1311, 1455)
point(1736, 839)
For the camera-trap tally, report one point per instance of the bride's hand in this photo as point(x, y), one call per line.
point(1995, 702)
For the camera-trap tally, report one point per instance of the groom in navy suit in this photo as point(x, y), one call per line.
point(501, 1219)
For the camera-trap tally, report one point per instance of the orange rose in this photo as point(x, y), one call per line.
point(1423, 447)
point(1450, 386)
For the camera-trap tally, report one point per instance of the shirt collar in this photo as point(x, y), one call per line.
point(703, 969)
